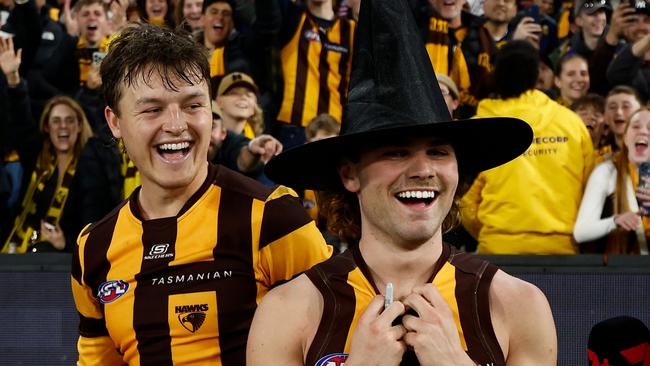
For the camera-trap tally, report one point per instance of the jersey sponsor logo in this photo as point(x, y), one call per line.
point(191, 317)
point(159, 251)
point(110, 291)
point(190, 277)
point(333, 359)
point(311, 35)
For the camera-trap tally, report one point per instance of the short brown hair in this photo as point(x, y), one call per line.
point(624, 89)
point(323, 122)
point(81, 3)
point(142, 49)
point(595, 101)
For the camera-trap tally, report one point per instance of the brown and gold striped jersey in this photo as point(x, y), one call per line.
point(316, 64)
point(182, 290)
point(347, 288)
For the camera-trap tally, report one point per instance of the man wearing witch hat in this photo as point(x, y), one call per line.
point(390, 184)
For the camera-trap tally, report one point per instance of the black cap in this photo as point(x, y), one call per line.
point(207, 3)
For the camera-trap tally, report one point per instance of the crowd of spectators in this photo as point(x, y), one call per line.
point(576, 71)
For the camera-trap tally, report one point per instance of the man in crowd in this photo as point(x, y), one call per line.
point(316, 50)
point(389, 191)
point(173, 275)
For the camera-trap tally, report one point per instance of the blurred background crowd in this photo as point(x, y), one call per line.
point(577, 71)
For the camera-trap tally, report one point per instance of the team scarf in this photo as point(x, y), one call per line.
point(85, 56)
point(23, 234)
point(217, 65)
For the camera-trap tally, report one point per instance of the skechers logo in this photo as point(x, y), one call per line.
point(110, 291)
point(191, 317)
point(159, 251)
point(334, 359)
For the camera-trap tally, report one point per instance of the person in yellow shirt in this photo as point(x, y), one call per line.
point(529, 205)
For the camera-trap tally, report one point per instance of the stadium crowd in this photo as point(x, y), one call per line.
point(577, 72)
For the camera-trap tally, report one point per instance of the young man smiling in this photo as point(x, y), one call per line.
point(173, 275)
point(390, 191)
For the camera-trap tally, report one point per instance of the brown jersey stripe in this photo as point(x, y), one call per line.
point(239, 183)
point(95, 255)
point(485, 319)
point(469, 272)
point(277, 214)
point(90, 327)
point(344, 63)
point(234, 239)
point(75, 266)
point(150, 303)
point(339, 305)
point(323, 74)
point(301, 75)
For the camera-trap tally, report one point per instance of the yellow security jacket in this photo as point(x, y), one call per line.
point(529, 205)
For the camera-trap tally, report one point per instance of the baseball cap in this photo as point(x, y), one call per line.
point(236, 79)
point(446, 81)
point(591, 6)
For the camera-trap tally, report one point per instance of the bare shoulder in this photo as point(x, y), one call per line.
point(523, 322)
point(285, 324)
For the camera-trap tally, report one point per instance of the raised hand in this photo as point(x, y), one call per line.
point(10, 61)
point(70, 19)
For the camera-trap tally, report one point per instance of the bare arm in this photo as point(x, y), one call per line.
point(284, 323)
point(523, 322)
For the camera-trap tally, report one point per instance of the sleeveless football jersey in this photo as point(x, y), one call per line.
point(347, 288)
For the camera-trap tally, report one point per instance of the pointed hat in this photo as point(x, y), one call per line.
point(394, 92)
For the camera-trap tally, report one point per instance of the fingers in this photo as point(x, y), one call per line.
point(267, 146)
point(627, 221)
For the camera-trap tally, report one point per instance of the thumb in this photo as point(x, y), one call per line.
point(19, 54)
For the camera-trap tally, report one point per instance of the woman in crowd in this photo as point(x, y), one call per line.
point(237, 99)
point(189, 14)
point(158, 12)
point(571, 78)
point(609, 220)
point(47, 217)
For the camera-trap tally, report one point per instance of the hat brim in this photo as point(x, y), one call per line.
point(480, 144)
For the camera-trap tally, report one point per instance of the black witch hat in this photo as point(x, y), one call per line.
point(394, 92)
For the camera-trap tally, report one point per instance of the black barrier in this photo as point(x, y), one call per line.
point(38, 320)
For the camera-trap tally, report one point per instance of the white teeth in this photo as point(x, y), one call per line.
point(417, 194)
point(178, 146)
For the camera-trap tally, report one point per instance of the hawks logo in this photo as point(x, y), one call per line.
point(192, 316)
point(110, 291)
point(334, 359)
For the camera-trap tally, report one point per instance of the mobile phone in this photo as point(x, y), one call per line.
point(533, 12)
point(644, 172)
point(98, 57)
